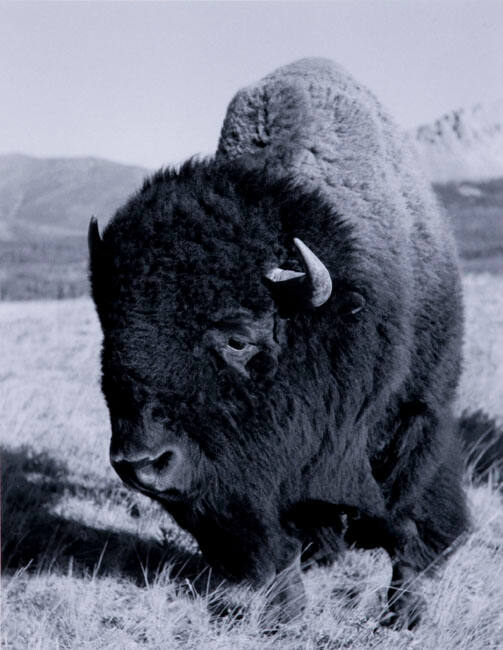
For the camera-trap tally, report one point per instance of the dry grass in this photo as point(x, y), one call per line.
point(88, 564)
point(482, 384)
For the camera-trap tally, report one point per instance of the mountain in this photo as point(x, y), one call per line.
point(45, 207)
point(462, 155)
point(55, 197)
point(465, 144)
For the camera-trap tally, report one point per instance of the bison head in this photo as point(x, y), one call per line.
point(227, 346)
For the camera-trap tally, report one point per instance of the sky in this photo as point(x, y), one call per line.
point(148, 83)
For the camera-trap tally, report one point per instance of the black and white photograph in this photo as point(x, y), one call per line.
point(251, 324)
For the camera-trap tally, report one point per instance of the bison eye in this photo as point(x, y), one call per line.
point(236, 345)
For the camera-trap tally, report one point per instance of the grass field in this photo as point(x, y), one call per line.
point(89, 565)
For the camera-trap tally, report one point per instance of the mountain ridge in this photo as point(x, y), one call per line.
point(465, 144)
point(56, 196)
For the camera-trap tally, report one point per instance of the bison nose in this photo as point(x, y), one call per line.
point(157, 471)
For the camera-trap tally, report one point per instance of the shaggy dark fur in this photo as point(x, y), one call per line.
point(337, 428)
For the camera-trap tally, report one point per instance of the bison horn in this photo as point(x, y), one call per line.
point(320, 282)
point(93, 237)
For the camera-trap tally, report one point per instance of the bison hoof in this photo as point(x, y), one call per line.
point(285, 603)
point(404, 612)
point(276, 615)
point(219, 608)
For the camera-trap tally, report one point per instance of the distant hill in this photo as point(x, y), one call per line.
point(465, 144)
point(55, 197)
point(45, 207)
point(462, 155)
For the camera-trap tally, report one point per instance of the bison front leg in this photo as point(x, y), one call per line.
point(244, 550)
point(285, 597)
point(400, 539)
point(404, 606)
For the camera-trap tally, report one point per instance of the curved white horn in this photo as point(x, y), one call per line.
point(319, 288)
point(282, 275)
point(318, 273)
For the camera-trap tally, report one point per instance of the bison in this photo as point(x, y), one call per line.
point(281, 342)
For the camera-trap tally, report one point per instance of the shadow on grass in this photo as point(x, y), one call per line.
point(38, 540)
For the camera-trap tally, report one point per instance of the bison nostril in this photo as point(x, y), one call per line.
point(158, 473)
point(163, 461)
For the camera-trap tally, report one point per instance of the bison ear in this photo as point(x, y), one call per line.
point(310, 289)
point(94, 240)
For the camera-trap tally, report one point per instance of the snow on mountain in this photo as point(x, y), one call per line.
point(465, 144)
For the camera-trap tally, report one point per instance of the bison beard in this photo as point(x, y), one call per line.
point(281, 344)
